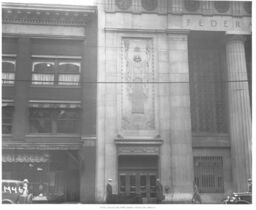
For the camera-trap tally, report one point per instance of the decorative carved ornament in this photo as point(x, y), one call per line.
point(191, 5)
point(138, 150)
point(43, 17)
point(45, 146)
point(138, 91)
point(149, 5)
point(124, 4)
point(222, 6)
point(25, 157)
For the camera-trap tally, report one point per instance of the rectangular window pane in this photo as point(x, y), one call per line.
point(68, 121)
point(69, 79)
point(40, 120)
point(42, 79)
point(8, 78)
point(152, 186)
point(7, 117)
point(122, 183)
point(132, 184)
point(143, 183)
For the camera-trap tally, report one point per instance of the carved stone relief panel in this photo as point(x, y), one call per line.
point(137, 97)
point(138, 150)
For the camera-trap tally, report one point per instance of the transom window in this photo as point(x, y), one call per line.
point(56, 71)
point(7, 118)
point(8, 70)
point(54, 120)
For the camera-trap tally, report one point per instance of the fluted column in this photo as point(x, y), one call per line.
point(239, 112)
point(180, 118)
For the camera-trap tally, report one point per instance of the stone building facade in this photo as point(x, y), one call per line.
point(173, 98)
point(128, 90)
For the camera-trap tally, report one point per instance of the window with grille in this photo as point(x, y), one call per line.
point(56, 71)
point(208, 174)
point(7, 118)
point(50, 120)
point(208, 113)
point(8, 70)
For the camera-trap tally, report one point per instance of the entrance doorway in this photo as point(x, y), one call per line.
point(137, 176)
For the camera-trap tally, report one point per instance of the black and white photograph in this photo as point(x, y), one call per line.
point(127, 103)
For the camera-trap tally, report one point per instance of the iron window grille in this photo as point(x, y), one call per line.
point(208, 174)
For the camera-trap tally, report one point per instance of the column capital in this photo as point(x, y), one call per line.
point(235, 37)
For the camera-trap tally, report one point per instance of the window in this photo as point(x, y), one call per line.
point(208, 174)
point(7, 117)
point(207, 91)
point(54, 120)
point(58, 71)
point(8, 70)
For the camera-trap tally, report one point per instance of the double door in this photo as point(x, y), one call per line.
point(138, 182)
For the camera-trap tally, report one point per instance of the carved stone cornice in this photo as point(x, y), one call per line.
point(46, 15)
point(138, 146)
point(41, 146)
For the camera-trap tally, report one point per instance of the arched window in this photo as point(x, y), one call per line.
point(8, 71)
point(56, 71)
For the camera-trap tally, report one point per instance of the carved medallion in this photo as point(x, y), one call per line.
point(221, 6)
point(191, 5)
point(149, 4)
point(123, 4)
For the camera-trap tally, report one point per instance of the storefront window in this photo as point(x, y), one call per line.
point(51, 173)
point(43, 120)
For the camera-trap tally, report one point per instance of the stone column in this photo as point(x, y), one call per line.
point(239, 112)
point(100, 123)
point(180, 118)
point(22, 83)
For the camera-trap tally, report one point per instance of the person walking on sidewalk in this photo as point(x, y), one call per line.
point(196, 196)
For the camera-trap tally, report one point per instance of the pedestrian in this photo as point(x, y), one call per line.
point(250, 185)
point(159, 191)
point(25, 187)
point(196, 196)
point(109, 191)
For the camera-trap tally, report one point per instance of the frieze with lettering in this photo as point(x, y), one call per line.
point(217, 23)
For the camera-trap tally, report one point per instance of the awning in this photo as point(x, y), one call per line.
point(25, 157)
point(55, 104)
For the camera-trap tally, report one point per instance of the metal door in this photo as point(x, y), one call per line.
point(139, 182)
